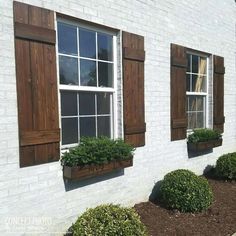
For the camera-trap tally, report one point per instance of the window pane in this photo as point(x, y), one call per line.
point(188, 78)
point(198, 83)
point(200, 103)
point(87, 104)
point(104, 126)
point(69, 130)
point(200, 120)
point(105, 74)
point(202, 65)
point(192, 120)
point(103, 103)
point(67, 39)
point(194, 64)
point(192, 103)
point(68, 104)
point(88, 73)
point(87, 43)
point(189, 63)
point(68, 70)
point(105, 47)
point(187, 102)
point(196, 106)
point(87, 127)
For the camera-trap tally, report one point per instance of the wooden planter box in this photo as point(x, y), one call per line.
point(84, 172)
point(203, 146)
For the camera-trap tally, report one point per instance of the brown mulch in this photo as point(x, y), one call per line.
point(219, 219)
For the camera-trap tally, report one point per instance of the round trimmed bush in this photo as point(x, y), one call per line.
point(226, 166)
point(185, 191)
point(109, 220)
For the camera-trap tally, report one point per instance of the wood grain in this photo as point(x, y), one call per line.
point(178, 92)
point(133, 89)
point(36, 85)
point(218, 93)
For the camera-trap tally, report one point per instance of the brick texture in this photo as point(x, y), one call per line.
point(36, 199)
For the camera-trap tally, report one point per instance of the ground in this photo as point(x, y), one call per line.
point(218, 220)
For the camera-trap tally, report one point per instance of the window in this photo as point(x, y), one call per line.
point(196, 90)
point(87, 81)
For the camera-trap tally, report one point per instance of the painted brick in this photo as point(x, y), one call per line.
point(201, 25)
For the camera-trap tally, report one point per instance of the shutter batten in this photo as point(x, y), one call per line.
point(178, 92)
point(35, 33)
point(36, 84)
point(133, 89)
point(218, 93)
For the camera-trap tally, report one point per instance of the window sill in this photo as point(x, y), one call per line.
point(88, 171)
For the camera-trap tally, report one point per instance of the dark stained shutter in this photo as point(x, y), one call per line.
point(36, 79)
point(178, 92)
point(218, 93)
point(133, 89)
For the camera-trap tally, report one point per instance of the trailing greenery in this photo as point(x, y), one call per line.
point(109, 220)
point(202, 135)
point(226, 166)
point(97, 151)
point(185, 191)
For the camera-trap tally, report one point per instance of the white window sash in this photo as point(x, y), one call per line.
point(78, 88)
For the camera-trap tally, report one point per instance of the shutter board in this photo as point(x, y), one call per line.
point(179, 123)
point(132, 54)
point(39, 137)
point(36, 86)
point(218, 93)
point(133, 89)
point(178, 92)
point(36, 33)
point(135, 129)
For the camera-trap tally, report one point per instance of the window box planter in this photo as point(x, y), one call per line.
point(203, 146)
point(88, 171)
point(204, 139)
point(96, 156)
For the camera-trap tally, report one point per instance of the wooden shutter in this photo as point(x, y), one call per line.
point(36, 79)
point(133, 89)
point(218, 93)
point(178, 92)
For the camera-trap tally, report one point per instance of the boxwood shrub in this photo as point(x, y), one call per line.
point(185, 191)
point(109, 220)
point(97, 151)
point(226, 166)
point(202, 135)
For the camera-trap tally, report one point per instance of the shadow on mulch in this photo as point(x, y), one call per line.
point(210, 173)
point(219, 219)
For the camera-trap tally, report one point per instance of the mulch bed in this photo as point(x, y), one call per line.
point(219, 219)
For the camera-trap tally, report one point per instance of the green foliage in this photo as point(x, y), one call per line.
point(97, 151)
point(109, 220)
point(202, 135)
point(226, 166)
point(185, 191)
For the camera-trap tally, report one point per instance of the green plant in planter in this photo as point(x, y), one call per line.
point(109, 220)
point(226, 166)
point(97, 151)
point(185, 191)
point(203, 135)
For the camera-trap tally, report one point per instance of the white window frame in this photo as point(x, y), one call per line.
point(205, 94)
point(78, 88)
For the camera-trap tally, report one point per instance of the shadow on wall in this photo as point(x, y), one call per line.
point(155, 192)
point(208, 169)
point(74, 184)
point(192, 154)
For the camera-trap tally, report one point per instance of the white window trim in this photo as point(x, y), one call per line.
point(78, 88)
point(206, 94)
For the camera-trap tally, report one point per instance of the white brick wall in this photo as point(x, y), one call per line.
point(39, 191)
